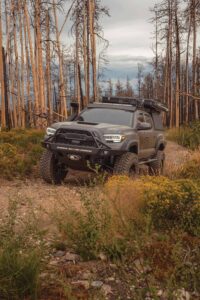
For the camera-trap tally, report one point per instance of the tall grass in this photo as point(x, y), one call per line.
point(187, 136)
point(20, 151)
point(191, 168)
point(21, 254)
point(153, 222)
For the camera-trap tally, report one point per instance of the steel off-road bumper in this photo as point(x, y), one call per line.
point(84, 152)
point(81, 158)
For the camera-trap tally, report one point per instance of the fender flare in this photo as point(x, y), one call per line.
point(133, 145)
point(160, 143)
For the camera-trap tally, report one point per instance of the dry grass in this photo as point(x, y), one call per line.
point(20, 151)
point(188, 169)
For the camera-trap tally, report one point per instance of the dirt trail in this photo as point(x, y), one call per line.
point(45, 196)
point(176, 154)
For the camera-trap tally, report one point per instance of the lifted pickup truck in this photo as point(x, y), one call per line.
point(119, 134)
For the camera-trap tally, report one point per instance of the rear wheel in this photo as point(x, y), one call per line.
point(126, 164)
point(156, 167)
point(51, 170)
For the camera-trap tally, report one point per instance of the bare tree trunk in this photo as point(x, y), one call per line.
point(194, 69)
point(177, 66)
point(11, 97)
point(61, 83)
point(3, 116)
point(88, 51)
point(39, 57)
point(6, 91)
point(187, 72)
point(48, 69)
point(28, 72)
point(22, 67)
point(17, 76)
point(33, 66)
point(156, 62)
point(77, 86)
point(93, 47)
point(85, 53)
point(170, 91)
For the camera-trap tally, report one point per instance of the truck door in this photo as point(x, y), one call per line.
point(146, 148)
point(151, 132)
point(143, 138)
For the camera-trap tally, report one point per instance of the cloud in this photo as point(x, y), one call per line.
point(129, 32)
point(128, 59)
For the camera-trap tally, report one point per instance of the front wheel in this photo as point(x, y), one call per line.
point(156, 167)
point(126, 164)
point(51, 170)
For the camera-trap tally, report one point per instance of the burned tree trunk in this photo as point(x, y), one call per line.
point(63, 110)
point(3, 116)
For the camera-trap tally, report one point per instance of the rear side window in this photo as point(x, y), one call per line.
point(157, 119)
point(140, 118)
point(148, 119)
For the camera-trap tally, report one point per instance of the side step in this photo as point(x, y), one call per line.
point(143, 162)
point(143, 166)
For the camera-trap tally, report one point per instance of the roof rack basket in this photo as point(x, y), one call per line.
point(139, 103)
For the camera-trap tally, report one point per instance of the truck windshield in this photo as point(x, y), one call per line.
point(105, 115)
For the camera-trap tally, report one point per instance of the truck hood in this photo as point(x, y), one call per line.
point(95, 127)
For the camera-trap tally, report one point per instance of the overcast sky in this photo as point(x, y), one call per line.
point(129, 29)
point(129, 32)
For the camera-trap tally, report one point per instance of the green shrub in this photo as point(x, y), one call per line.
point(18, 273)
point(109, 220)
point(20, 151)
point(90, 230)
point(22, 138)
point(172, 260)
point(21, 254)
point(149, 226)
point(187, 136)
point(165, 203)
point(173, 204)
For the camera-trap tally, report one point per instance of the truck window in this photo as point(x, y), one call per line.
point(107, 115)
point(157, 119)
point(148, 119)
point(140, 118)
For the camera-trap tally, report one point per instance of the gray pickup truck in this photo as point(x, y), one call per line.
point(119, 134)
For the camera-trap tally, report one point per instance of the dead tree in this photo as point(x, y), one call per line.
point(3, 116)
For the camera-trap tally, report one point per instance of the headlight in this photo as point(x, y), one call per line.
point(114, 138)
point(50, 131)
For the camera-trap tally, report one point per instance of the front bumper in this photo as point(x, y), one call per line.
point(83, 152)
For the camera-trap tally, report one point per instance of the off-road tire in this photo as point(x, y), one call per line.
point(50, 169)
point(126, 164)
point(156, 167)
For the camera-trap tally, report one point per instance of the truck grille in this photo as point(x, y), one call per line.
point(75, 137)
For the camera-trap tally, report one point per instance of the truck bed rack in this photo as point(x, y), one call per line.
point(150, 104)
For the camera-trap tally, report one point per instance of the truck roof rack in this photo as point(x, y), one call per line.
point(149, 104)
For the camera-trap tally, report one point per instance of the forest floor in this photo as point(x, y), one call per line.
point(45, 196)
point(97, 279)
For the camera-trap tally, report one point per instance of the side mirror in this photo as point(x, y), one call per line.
point(75, 110)
point(144, 126)
point(74, 106)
